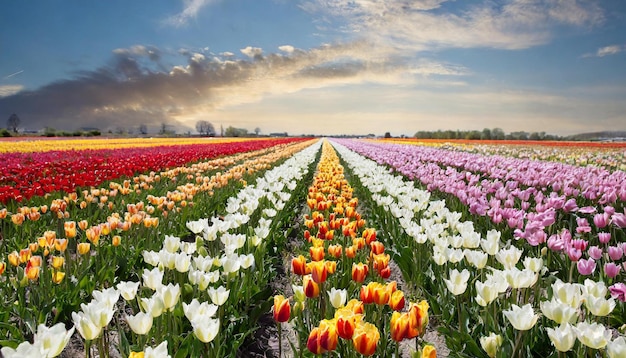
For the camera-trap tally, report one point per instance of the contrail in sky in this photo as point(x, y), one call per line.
point(13, 74)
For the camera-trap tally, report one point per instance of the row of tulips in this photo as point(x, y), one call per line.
point(80, 255)
point(571, 210)
point(342, 301)
point(24, 175)
point(512, 281)
point(215, 263)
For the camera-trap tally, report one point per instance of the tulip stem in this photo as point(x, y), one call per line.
point(518, 340)
point(87, 349)
point(280, 340)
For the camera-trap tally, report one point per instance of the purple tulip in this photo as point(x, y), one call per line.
point(609, 210)
point(574, 254)
point(586, 267)
point(570, 205)
point(555, 243)
point(583, 225)
point(580, 244)
point(618, 291)
point(611, 269)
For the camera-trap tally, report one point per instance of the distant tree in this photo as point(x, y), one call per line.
point(235, 132)
point(387, 135)
point(486, 134)
point(534, 136)
point(205, 127)
point(257, 130)
point(13, 122)
point(143, 129)
point(497, 133)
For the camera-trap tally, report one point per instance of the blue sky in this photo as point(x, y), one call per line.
point(316, 66)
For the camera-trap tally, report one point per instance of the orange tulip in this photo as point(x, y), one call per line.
point(83, 224)
point(397, 301)
point(381, 261)
point(93, 234)
point(385, 273)
point(317, 253)
point(319, 272)
point(17, 219)
point(429, 351)
point(83, 248)
point(381, 294)
point(282, 309)
point(349, 212)
point(335, 251)
point(365, 338)
point(399, 326)
point(35, 260)
point(70, 229)
point(3, 267)
point(367, 293)
point(329, 235)
point(49, 236)
point(351, 252)
point(60, 244)
point(14, 258)
point(369, 235)
point(418, 314)
point(25, 255)
point(3, 213)
point(359, 272)
point(355, 305)
point(33, 246)
point(377, 247)
point(311, 203)
point(331, 267)
point(31, 271)
point(116, 240)
point(359, 242)
point(299, 266)
point(105, 228)
point(311, 289)
point(346, 322)
point(323, 338)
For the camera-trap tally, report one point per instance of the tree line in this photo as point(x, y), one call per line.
point(485, 134)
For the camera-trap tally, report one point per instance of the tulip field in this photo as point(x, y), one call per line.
point(334, 247)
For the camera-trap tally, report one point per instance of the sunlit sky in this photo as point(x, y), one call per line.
point(315, 66)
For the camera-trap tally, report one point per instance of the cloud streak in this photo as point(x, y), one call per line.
point(190, 11)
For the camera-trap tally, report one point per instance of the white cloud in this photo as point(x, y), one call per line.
point(190, 11)
point(286, 48)
point(518, 24)
point(606, 51)
point(252, 51)
point(7, 90)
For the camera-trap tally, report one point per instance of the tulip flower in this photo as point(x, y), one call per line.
point(205, 329)
point(14, 258)
point(346, 322)
point(31, 271)
point(153, 305)
point(355, 306)
point(70, 229)
point(429, 351)
point(359, 272)
point(311, 288)
point(218, 296)
point(586, 267)
point(457, 284)
point(128, 289)
point(397, 301)
point(563, 337)
point(558, 311)
point(323, 338)
point(169, 294)
point(152, 279)
point(196, 309)
point(83, 248)
point(52, 340)
point(337, 297)
point(141, 323)
point(87, 328)
point(57, 262)
point(400, 323)
point(57, 276)
point(521, 318)
point(319, 271)
point(599, 306)
point(159, 351)
point(365, 338)
point(617, 348)
point(299, 266)
point(618, 291)
point(281, 309)
point(3, 267)
point(491, 344)
point(418, 315)
point(335, 251)
point(594, 335)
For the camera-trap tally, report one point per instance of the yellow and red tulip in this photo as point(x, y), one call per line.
point(282, 309)
point(365, 338)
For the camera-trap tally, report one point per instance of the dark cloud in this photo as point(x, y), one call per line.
point(137, 88)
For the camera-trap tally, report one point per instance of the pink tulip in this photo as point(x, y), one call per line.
point(615, 253)
point(582, 225)
point(601, 220)
point(619, 220)
point(611, 269)
point(609, 210)
point(574, 254)
point(586, 267)
point(580, 244)
point(555, 243)
point(587, 210)
point(595, 252)
point(604, 237)
point(570, 205)
point(618, 291)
